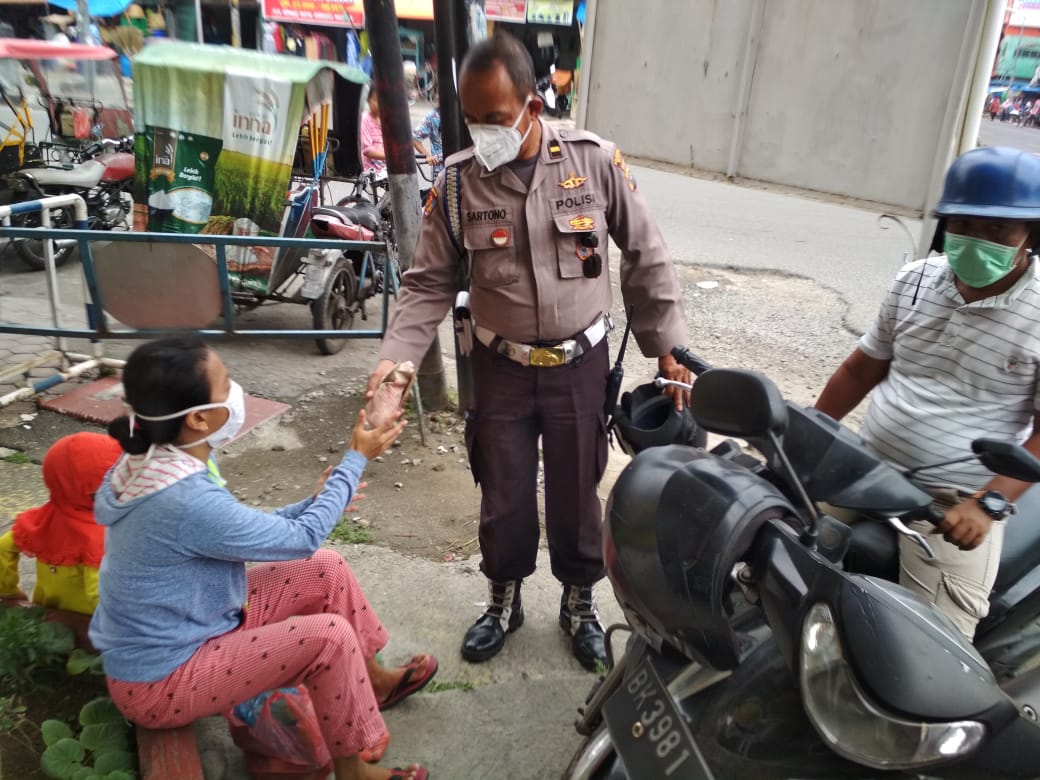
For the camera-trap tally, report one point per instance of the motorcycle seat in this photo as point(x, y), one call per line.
point(364, 214)
point(86, 174)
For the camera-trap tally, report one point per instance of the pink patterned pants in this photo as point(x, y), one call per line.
point(308, 623)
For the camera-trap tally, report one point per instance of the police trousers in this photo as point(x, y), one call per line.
point(513, 407)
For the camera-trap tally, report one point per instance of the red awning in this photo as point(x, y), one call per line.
point(28, 49)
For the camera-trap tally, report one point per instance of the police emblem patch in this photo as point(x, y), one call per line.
point(583, 223)
point(573, 181)
point(431, 202)
point(500, 237)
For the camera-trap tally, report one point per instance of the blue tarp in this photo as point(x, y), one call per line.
point(95, 7)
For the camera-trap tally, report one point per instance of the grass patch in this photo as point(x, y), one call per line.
point(349, 532)
point(452, 685)
point(18, 457)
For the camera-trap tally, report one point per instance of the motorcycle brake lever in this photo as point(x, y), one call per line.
point(662, 382)
point(900, 528)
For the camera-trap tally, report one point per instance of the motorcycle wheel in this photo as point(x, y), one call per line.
point(31, 251)
point(334, 308)
point(593, 759)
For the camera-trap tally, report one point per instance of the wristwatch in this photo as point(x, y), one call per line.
point(994, 503)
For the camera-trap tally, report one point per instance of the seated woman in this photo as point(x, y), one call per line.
point(62, 534)
point(185, 630)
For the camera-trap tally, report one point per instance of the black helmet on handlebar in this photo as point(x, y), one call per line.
point(647, 418)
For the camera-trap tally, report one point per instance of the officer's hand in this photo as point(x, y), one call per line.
point(382, 369)
point(966, 525)
point(669, 368)
point(431, 160)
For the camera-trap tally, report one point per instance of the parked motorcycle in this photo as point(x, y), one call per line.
point(758, 653)
point(101, 173)
point(555, 91)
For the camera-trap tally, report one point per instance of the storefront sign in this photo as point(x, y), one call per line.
point(506, 10)
point(326, 13)
point(550, 12)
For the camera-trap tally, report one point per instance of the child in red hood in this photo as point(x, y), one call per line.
point(62, 534)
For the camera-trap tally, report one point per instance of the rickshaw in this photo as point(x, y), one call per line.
point(217, 133)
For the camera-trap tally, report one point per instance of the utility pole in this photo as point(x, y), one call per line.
point(449, 29)
point(396, 124)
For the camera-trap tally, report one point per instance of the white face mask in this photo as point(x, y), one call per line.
point(235, 404)
point(496, 145)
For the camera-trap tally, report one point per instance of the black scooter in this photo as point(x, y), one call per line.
point(756, 653)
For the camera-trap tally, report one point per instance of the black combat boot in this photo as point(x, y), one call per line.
point(580, 618)
point(504, 614)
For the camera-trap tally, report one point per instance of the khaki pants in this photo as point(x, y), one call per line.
point(957, 581)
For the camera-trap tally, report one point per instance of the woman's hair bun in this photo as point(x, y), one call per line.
point(138, 444)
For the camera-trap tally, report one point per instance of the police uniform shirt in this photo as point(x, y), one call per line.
point(526, 250)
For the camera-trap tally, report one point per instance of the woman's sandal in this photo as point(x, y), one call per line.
point(374, 754)
point(411, 681)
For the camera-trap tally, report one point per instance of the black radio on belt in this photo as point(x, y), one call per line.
point(591, 262)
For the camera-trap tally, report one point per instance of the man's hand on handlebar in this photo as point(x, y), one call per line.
point(669, 368)
point(966, 524)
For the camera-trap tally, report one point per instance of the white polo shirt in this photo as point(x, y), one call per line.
point(959, 371)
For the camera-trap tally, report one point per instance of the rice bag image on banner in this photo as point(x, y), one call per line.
point(182, 179)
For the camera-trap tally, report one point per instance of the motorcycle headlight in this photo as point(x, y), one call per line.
point(855, 727)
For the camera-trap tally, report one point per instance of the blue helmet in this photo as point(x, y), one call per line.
point(995, 181)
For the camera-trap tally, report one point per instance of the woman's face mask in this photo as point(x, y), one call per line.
point(236, 406)
point(497, 145)
point(977, 262)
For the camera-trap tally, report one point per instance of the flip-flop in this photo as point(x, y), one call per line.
point(409, 683)
point(374, 754)
point(402, 774)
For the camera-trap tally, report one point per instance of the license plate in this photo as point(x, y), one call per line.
point(649, 732)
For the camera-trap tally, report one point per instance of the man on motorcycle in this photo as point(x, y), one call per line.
point(954, 355)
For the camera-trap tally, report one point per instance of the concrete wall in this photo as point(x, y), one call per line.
point(845, 96)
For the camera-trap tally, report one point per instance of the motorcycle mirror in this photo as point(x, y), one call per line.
point(735, 402)
point(1007, 459)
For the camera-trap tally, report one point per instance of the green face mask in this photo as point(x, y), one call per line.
point(976, 262)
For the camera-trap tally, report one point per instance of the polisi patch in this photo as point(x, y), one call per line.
point(573, 181)
point(581, 222)
point(500, 237)
point(574, 202)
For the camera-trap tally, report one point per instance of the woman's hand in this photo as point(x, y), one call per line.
point(358, 495)
point(375, 441)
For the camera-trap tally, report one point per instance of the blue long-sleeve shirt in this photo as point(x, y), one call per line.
point(174, 576)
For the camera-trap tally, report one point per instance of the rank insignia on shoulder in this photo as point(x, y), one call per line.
point(619, 162)
point(500, 237)
point(583, 223)
point(555, 152)
point(431, 202)
point(573, 181)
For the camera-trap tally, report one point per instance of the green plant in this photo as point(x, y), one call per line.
point(349, 532)
point(18, 457)
point(30, 647)
point(14, 722)
point(100, 751)
point(449, 685)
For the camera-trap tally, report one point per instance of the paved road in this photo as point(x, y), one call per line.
point(1006, 134)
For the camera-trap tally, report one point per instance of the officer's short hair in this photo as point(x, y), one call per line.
point(505, 50)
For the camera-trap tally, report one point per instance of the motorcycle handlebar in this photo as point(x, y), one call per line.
point(689, 360)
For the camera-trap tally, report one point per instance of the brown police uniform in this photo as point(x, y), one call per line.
point(528, 288)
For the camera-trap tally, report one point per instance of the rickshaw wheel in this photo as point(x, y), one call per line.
point(334, 309)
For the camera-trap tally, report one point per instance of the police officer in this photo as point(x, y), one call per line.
point(531, 211)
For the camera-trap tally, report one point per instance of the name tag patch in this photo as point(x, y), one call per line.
point(492, 215)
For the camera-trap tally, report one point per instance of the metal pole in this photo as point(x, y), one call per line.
point(448, 19)
point(396, 123)
point(979, 91)
point(199, 35)
point(236, 25)
point(588, 43)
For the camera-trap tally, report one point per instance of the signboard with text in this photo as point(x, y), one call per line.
point(550, 12)
point(506, 10)
point(326, 13)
